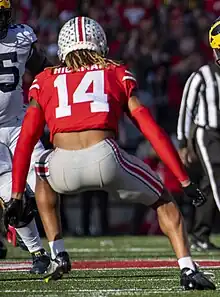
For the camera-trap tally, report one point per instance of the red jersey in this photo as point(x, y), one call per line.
point(92, 98)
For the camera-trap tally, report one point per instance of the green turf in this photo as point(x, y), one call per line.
point(107, 283)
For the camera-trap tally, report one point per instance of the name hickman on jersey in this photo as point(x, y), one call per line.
point(63, 70)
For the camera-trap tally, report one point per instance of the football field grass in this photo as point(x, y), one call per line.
point(108, 267)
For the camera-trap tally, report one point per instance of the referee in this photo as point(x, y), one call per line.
point(198, 132)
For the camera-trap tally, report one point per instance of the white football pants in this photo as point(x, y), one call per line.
point(9, 134)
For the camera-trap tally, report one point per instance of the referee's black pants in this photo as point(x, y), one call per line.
point(207, 148)
point(102, 198)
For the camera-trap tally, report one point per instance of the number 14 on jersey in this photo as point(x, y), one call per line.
point(98, 98)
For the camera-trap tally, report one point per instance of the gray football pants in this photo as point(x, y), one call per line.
point(104, 166)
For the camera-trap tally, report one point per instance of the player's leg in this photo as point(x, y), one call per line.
point(58, 173)
point(48, 201)
point(172, 225)
point(40, 258)
point(28, 231)
point(207, 146)
point(3, 248)
point(50, 181)
point(49, 209)
point(49, 171)
point(5, 188)
point(135, 176)
point(145, 187)
point(5, 194)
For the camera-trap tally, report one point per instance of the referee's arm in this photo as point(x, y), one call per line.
point(187, 109)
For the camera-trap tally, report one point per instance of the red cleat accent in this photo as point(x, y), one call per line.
point(12, 236)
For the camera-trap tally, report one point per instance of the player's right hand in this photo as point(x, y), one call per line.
point(192, 191)
point(13, 212)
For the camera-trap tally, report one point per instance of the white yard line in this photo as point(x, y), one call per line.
point(130, 249)
point(112, 291)
point(96, 280)
point(98, 293)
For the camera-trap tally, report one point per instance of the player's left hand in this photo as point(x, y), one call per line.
point(13, 212)
point(192, 191)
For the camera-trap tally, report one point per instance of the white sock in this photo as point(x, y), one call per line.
point(56, 247)
point(30, 236)
point(186, 262)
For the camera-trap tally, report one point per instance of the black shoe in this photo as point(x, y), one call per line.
point(41, 261)
point(203, 246)
point(59, 266)
point(3, 250)
point(195, 280)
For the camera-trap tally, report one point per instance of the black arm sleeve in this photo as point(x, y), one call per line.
point(37, 61)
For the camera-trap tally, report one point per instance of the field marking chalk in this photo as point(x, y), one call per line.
point(6, 266)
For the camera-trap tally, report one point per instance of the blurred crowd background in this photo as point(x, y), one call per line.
point(163, 42)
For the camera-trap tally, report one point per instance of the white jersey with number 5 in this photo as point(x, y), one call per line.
point(14, 52)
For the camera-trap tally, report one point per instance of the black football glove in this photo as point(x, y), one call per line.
point(13, 212)
point(192, 191)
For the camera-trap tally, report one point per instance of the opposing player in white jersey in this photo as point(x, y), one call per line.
point(18, 52)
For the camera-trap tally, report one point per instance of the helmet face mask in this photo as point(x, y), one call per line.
point(5, 17)
point(81, 33)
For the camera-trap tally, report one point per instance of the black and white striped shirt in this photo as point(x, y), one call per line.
point(200, 102)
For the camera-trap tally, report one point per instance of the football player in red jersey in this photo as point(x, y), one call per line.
point(82, 101)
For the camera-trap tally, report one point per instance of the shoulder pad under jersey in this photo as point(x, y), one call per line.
point(24, 33)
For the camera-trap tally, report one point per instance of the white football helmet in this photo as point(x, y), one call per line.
point(81, 33)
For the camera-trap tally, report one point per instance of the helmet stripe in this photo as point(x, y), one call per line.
point(77, 29)
point(83, 29)
point(79, 20)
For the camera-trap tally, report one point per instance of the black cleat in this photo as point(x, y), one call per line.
point(195, 280)
point(59, 266)
point(203, 246)
point(41, 261)
point(3, 249)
